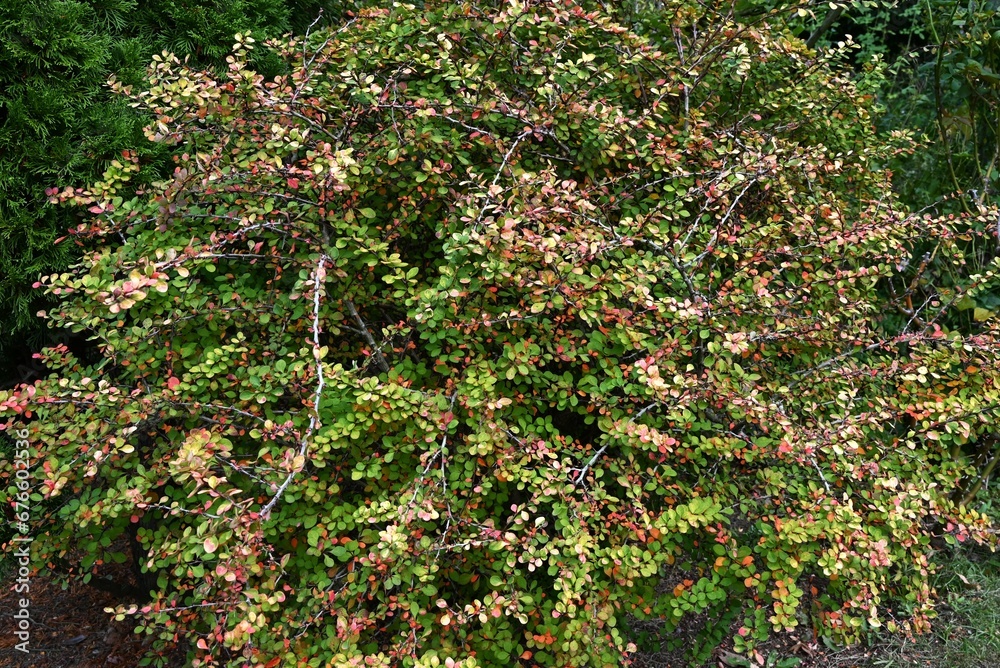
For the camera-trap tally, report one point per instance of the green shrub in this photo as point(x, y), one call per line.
point(489, 322)
point(60, 124)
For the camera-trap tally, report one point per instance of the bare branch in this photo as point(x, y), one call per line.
point(587, 466)
point(318, 275)
point(369, 339)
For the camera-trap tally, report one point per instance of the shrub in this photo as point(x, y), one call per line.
point(492, 323)
point(60, 124)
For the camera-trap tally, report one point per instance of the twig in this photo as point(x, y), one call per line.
point(592, 461)
point(318, 275)
point(379, 359)
point(510, 152)
point(440, 451)
point(831, 18)
point(821, 476)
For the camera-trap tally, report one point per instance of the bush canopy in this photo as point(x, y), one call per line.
point(493, 327)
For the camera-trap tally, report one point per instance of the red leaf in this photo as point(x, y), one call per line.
point(293, 184)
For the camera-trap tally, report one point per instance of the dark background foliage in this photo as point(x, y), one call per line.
point(60, 124)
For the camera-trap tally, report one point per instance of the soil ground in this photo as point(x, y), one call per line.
point(69, 629)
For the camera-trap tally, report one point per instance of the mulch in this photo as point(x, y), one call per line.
point(69, 629)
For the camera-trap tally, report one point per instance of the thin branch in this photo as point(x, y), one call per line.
point(830, 19)
point(821, 476)
point(318, 275)
point(379, 359)
point(592, 461)
point(510, 152)
point(971, 496)
point(440, 451)
point(597, 455)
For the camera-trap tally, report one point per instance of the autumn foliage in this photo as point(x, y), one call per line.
point(493, 326)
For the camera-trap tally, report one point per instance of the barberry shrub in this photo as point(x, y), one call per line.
point(494, 326)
